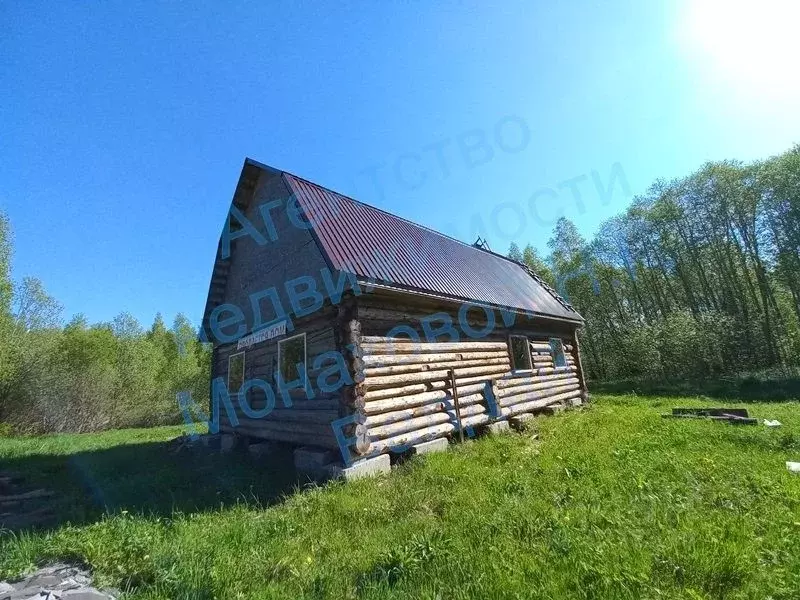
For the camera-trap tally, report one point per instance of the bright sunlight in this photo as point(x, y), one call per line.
point(750, 44)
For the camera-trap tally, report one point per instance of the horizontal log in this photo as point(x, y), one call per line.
point(532, 387)
point(540, 347)
point(257, 400)
point(392, 429)
point(474, 421)
point(415, 317)
point(427, 376)
point(417, 367)
point(552, 370)
point(304, 416)
point(405, 402)
point(480, 378)
point(288, 426)
point(384, 360)
point(529, 378)
point(405, 347)
point(468, 405)
point(403, 390)
point(468, 416)
point(412, 437)
point(523, 407)
point(393, 416)
point(290, 437)
point(280, 413)
point(536, 394)
point(373, 394)
point(479, 398)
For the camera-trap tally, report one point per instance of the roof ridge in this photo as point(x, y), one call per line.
point(395, 216)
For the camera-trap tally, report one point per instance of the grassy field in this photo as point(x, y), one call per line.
point(609, 502)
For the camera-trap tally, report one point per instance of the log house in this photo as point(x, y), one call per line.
point(303, 274)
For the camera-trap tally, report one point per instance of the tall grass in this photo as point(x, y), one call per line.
point(611, 502)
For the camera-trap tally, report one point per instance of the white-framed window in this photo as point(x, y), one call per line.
point(557, 352)
point(520, 351)
point(235, 372)
point(291, 351)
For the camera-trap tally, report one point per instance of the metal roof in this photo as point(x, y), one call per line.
point(376, 245)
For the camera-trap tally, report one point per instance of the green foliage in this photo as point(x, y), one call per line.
point(609, 502)
point(700, 276)
point(5, 265)
point(82, 377)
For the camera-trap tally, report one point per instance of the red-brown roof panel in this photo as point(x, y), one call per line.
point(374, 244)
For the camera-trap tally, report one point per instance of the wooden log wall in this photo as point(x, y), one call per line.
point(402, 393)
point(308, 420)
point(409, 396)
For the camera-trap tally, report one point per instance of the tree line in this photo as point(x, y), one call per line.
point(699, 277)
point(76, 376)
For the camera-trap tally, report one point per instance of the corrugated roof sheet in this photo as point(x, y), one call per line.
point(377, 245)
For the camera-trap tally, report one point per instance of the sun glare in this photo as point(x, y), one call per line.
point(753, 45)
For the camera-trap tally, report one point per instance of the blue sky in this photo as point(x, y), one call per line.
point(124, 125)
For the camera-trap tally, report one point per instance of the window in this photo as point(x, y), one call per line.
point(235, 372)
point(290, 352)
point(557, 352)
point(520, 353)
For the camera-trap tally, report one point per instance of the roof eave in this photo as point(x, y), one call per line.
point(579, 320)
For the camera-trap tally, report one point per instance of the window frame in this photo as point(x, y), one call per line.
point(304, 375)
point(244, 364)
point(514, 368)
point(554, 354)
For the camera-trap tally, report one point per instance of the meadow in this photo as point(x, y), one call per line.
point(611, 501)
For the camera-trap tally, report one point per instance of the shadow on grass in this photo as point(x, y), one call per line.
point(147, 478)
point(740, 389)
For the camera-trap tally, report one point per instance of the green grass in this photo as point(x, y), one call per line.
point(762, 386)
point(610, 502)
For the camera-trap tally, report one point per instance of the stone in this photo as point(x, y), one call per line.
point(227, 442)
point(370, 467)
point(45, 581)
point(497, 427)
point(520, 421)
point(553, 409)
point(308, 459)
point(55, 582)
point(85, 594)
point(261, 449)
point(210, 440)
point(24, 593)
point(439, 445)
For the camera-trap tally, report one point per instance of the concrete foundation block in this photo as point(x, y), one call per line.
point(440, 445)
point(227, 442)
point(553, 409)
point(371, 467)
point(308, 459)
point(520, 421)
point(497, 427)
point(210, 440)
point(261, 449)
